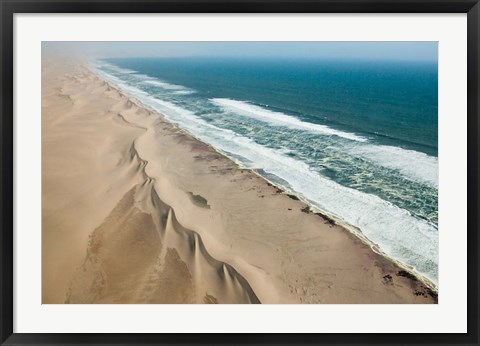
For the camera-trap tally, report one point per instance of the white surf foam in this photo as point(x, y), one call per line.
point(164, 85)
point(281, 119)
point(173, 88)
point(411, 164)
point(113, 67)
point(184, 92)
point(397, 233)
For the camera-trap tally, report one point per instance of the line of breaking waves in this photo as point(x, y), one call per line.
point(174, 88)
point(281, 119)
point(413, 164)
point(391, 230)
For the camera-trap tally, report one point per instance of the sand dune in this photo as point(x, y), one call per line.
point(135, 210)
point(133, 257)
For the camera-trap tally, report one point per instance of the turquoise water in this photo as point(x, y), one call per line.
point(357, 140)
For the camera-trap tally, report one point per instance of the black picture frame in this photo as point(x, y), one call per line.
point(9, 7)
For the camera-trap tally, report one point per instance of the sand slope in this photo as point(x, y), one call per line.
point(137, 211)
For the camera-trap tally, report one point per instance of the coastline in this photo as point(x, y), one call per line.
point(292, 194)
point(281, 255)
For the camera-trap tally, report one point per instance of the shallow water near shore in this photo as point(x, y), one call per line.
point(358, 141)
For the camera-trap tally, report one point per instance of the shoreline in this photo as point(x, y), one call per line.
point(311, 208)
point(355, 231)
point(191, 208)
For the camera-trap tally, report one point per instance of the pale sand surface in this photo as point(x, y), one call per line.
point(135, 210)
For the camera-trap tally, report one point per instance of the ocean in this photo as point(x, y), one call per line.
point(356, 140)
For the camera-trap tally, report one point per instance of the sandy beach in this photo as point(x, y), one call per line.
point(136, 210)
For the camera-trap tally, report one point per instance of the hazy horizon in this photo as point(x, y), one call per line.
point(394, 51)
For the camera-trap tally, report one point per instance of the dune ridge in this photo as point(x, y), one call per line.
point(203, 273)
point(143, 239)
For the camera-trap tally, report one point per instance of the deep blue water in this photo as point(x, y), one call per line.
point(356, 139)
point(396, 101)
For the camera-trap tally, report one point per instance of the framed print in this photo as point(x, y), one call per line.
point(239, 173)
